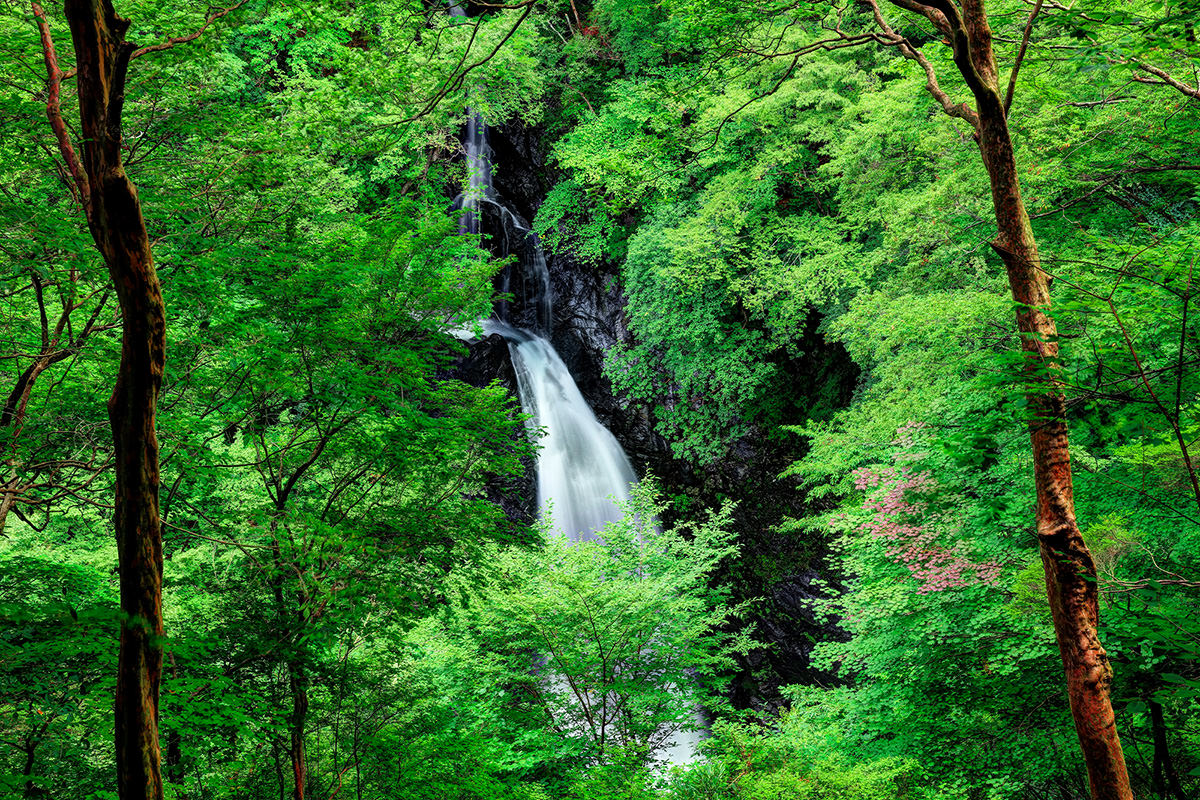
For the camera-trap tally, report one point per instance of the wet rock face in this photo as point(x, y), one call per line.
point(520, 171)
point(488, 360)
point(779, 571)
point(789, 623)
point(589, 321)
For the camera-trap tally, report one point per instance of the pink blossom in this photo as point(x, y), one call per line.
point(901, 520)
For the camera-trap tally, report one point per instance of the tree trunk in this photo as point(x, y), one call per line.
point(278, 765)
point(117, 226)
point(31, 789)
point(299, 686)
point(297, 679)
point(175, 761)
point(1163, 765)
point(1070, 571)
point(357, 764)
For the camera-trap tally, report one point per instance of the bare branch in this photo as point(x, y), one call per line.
point(910, 51)
point(1012, 78)
point(459, 76)
point(54, 79)
point(1164, 79)
point(191, 37)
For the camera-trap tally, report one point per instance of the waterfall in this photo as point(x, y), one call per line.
point(582, 471)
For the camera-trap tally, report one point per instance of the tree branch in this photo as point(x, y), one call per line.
point(1012, 78)
point(54, 79)
point(910, 51)
point(456, 81)
point(174, 40)
point(1164, 79)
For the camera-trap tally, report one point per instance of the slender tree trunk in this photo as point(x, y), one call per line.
point(278, 766)
point(175, 773)
point(31, 789)
point(1070, 571)
point(1163, 765)
point(298, 681)
point(1156, 780)
point(357, 764)
point(297, 678)
point(117, 226)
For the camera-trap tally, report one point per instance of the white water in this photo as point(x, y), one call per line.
point(516, 234)
point(582, 472)
point(479, 174)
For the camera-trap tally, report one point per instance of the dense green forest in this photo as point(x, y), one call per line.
point(887, 301)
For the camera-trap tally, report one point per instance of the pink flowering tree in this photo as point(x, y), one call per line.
point(913, 534)
point(934, 656)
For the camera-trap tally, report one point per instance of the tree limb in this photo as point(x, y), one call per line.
point(1164, 79)
point(54, 79)
point(910, 51)
point(1012, 78)
point(174, 40)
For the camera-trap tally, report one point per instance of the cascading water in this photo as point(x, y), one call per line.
point(517, 235)
point(582, 471)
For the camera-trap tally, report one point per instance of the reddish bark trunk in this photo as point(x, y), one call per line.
point(54, 78)
point(299, 687)
point(1070, 571)
point(117, 226)
point(297, 677)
